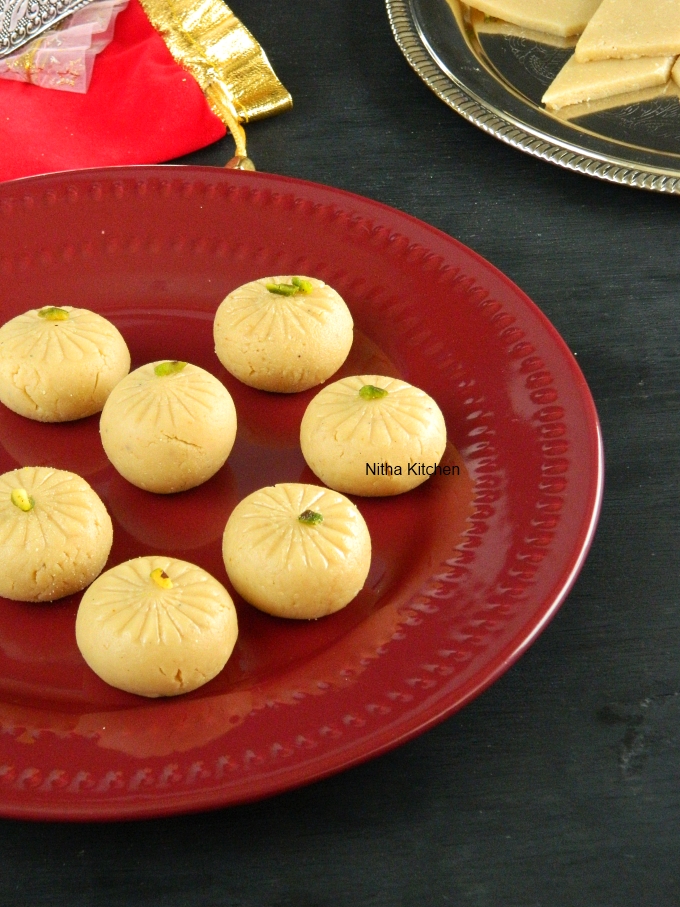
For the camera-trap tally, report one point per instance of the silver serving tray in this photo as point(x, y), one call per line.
point(23, 20)
point(496, 79)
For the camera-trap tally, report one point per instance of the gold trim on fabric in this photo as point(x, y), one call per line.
point(207, 39)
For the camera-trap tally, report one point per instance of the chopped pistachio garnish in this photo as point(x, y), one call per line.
point(371, 392)
point(296, 285)
point(282, 289)
point(161, 578)
point(169, 368)
point(310, 517)
point(22, 499)
point(304, 286)
point(53, 313)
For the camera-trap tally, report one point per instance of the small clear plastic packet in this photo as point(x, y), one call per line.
point(101, 16)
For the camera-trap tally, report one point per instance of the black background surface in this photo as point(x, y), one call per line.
point(560, 785)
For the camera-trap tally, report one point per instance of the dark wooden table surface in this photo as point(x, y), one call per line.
point(560, 785)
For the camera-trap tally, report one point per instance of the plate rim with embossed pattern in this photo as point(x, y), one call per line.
point(448, 638)
point(435, 46)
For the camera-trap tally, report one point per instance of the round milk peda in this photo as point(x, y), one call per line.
point(297, 550)
point(168, 426)
point(156, 626)
point(283, 334)
point(55, 534)
point(59, 364)
point(371, 435)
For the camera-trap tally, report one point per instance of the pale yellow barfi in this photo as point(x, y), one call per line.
point(487, 25)
point(629, 98)
point(578, 82)
point(557, 17)
point(627, 29)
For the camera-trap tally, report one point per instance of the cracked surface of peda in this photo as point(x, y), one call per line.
point(156, 626)
point(276, 339)
point(372, 435)
point(296, 550)
point(60, 363)
point(55, 534)
point(168, 426)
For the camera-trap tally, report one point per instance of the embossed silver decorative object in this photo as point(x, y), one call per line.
point(23, 20)
point(496, 81)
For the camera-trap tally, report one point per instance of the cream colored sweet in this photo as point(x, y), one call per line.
point(60, 363)
point(55, 534)
point(168, 426)
point(283, 334)
point(488, 25)
point(298, 551)
point(156, 626)
point(587, 108)
point(557, 17)
point(675, 72)
point(627, 29)
point(579, 82)
point(372, 435)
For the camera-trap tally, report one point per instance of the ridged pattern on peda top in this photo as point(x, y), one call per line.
point(257, 314)
point(129, 603)
point(82, 334)
point(62, 508)
point(402, 416)
point(170, 402)
point(272, 523)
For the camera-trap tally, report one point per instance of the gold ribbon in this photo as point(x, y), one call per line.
point(207, 39)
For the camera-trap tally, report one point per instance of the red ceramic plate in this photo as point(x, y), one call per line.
point(466, 570)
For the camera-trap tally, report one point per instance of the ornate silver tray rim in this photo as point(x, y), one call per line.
point(588, 155)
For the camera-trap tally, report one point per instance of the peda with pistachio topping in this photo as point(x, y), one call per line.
point(156, 626)
point(283, 334)
point(295, 550)
point(371, 435)
point(60, 363)
point(168, 426)
point(55, 534)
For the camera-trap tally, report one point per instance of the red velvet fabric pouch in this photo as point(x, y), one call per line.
point(141, 107)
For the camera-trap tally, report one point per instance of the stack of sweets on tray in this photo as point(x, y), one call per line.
point(624, 46)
